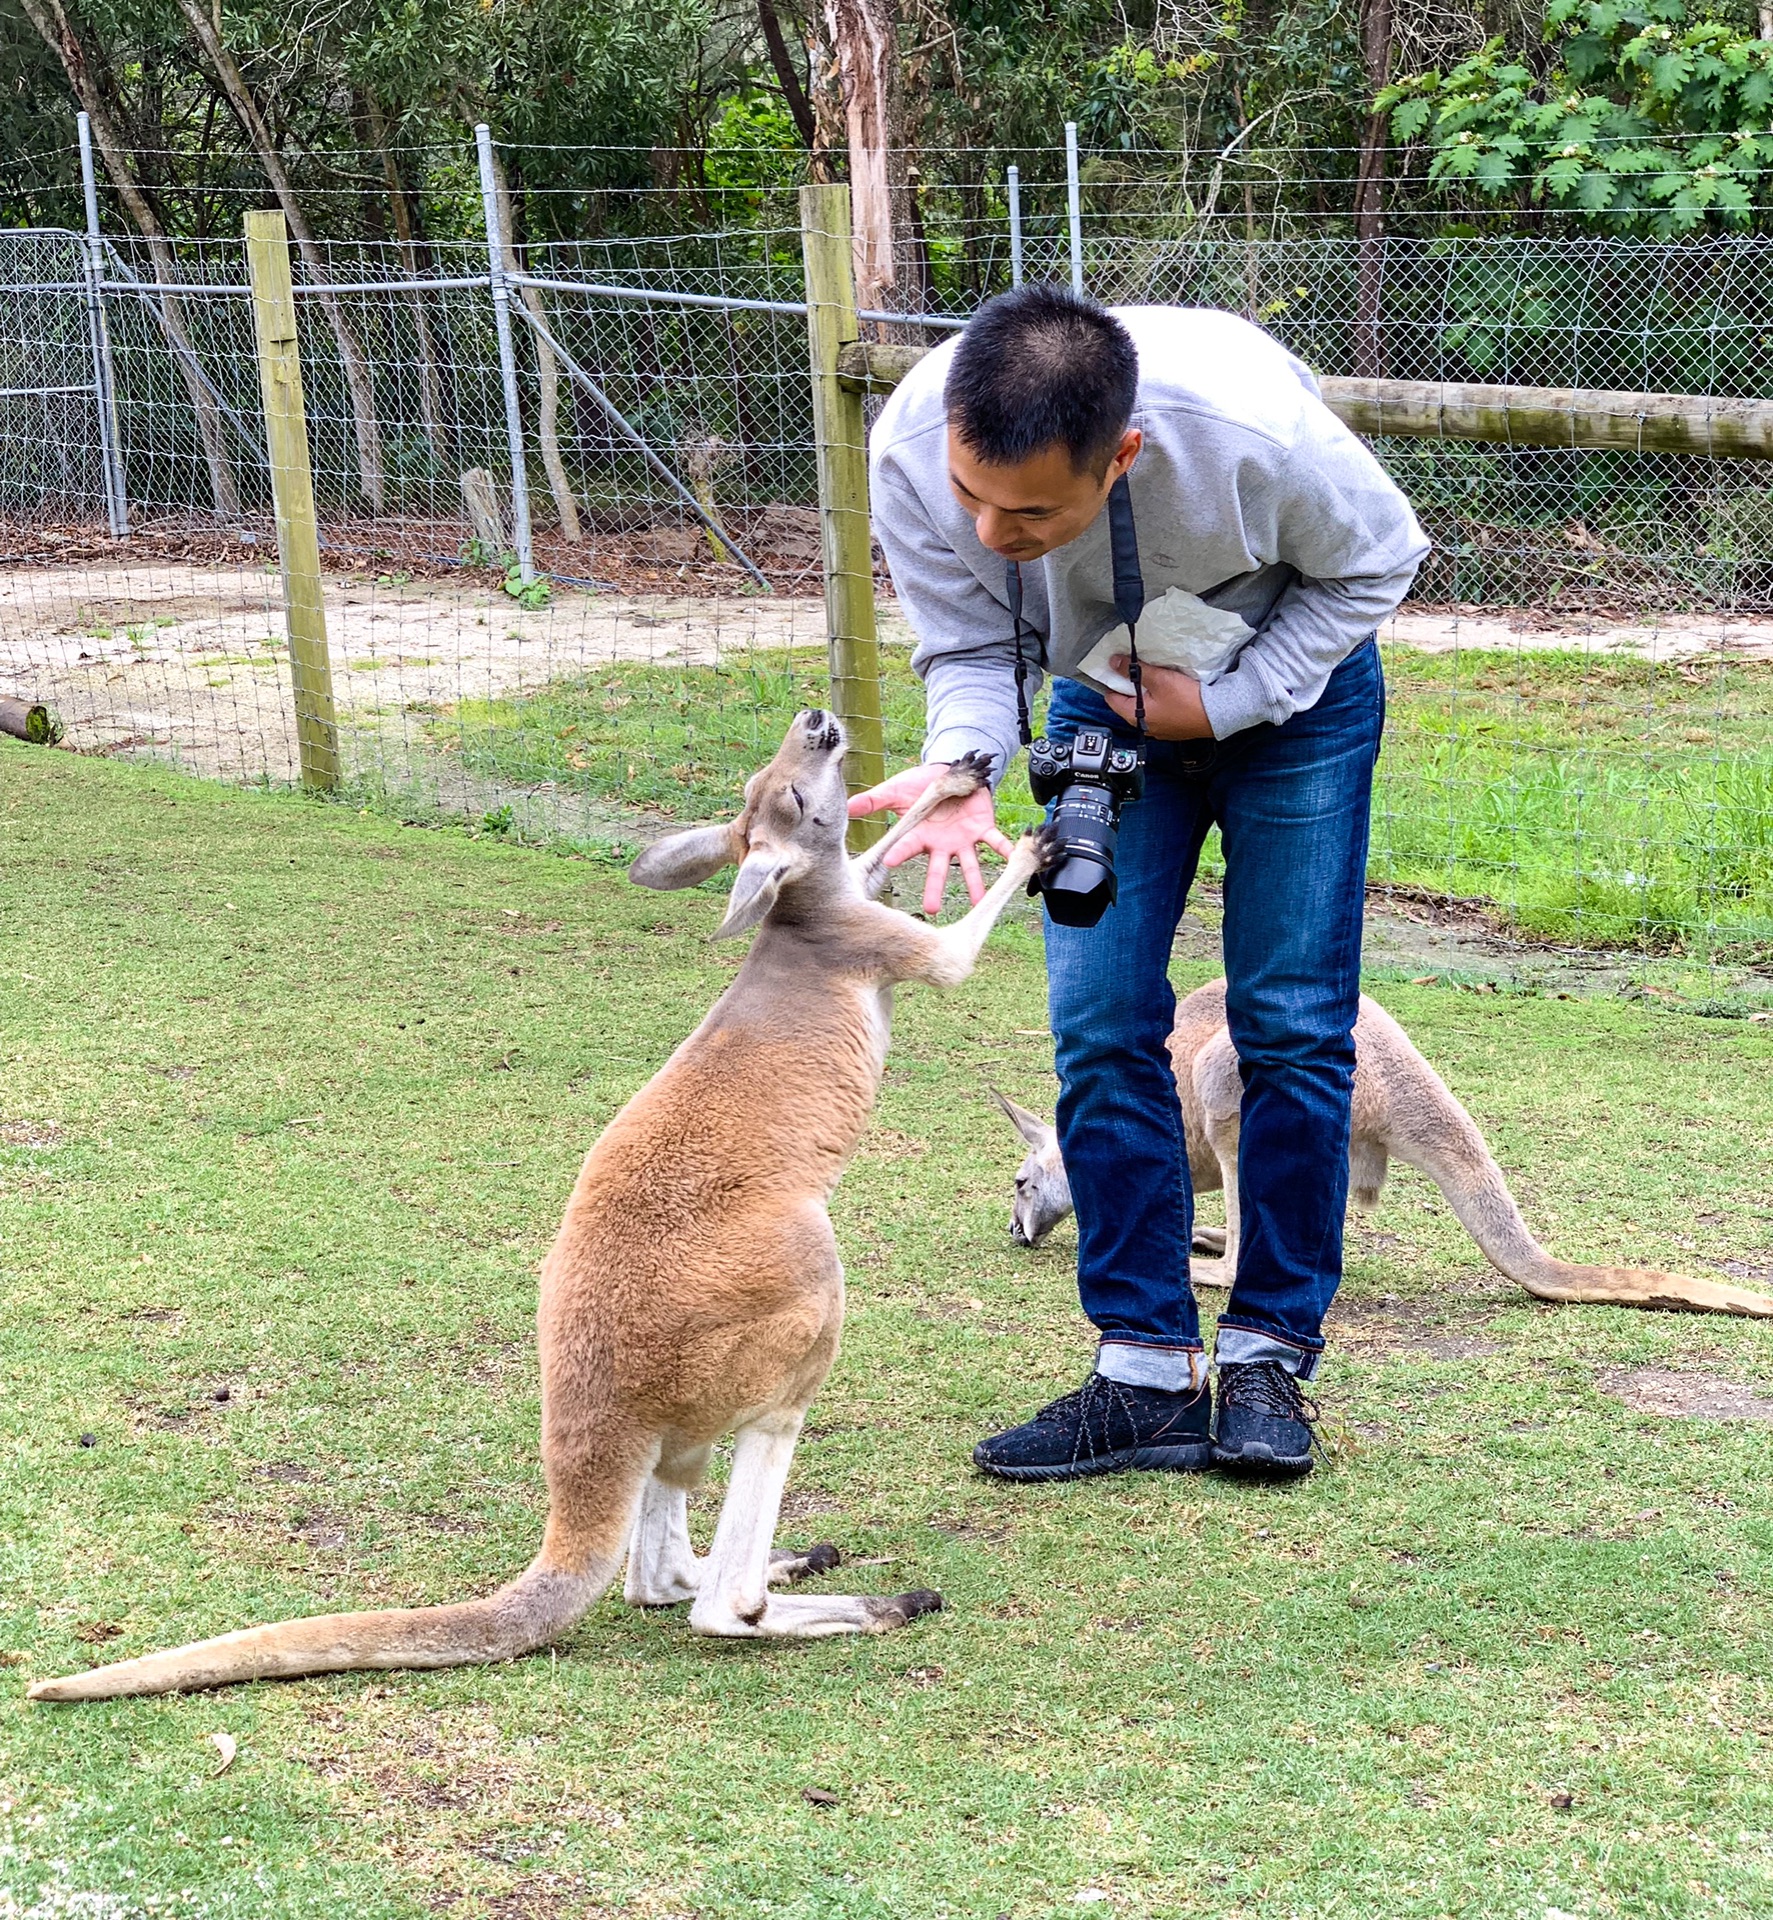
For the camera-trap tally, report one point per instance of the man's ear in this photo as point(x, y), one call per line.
point(1030, 1126)
point(754, 892)
point(687, 859)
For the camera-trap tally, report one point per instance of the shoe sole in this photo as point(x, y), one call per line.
point(1263, 1462)
point(1195, 1458)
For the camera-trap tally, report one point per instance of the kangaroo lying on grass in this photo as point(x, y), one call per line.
point(1402, 1110)
point(694, 1288)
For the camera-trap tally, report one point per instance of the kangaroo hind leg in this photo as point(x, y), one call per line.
point(662, 1565)
point(735, 1601)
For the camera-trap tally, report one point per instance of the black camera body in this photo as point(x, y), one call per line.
point(1085, 782)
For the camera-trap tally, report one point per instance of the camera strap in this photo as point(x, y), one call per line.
point(1129, 603)
point(1129, 586)
point(1013, 587)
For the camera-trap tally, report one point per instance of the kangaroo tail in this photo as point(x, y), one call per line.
point(587, 1535)
point(1443, 1141)
point(529, 1612)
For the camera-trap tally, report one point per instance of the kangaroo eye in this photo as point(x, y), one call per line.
point(799, 798)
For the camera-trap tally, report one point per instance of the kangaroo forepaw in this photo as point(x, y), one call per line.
point(974, 766)
point(1039, 851)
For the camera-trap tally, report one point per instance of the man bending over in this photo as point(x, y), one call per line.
point(1003, 446)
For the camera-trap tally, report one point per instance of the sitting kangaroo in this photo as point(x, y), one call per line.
point(1402, 1108)
point(694, 1288)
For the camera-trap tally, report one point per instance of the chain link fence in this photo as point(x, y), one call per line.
point(1581, 686)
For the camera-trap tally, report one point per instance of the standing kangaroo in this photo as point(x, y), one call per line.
point(694, 1288)
point(1402, 1110)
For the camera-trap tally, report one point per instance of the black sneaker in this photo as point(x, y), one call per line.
point(1105, 1428)
point(1265, 1423)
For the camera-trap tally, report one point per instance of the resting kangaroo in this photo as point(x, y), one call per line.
point(694, 1288)
point(1402, 1110)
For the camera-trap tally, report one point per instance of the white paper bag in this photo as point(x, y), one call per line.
point(1180, 630)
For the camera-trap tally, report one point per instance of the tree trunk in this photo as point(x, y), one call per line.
point(1369, 198)
point(566, 507)
point(57, 33)
point(30, 720)
point(413, 261)
point(864, 40)
point(351, 355)
point(793, 93)
point(827, 104)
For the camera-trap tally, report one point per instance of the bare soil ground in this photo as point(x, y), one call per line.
point(1686, 1395)
point(170, 649)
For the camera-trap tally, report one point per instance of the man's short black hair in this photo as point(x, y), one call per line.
point(1038, 367)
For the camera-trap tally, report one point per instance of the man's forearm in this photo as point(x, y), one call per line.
point(971, 700)
point(1315, 626)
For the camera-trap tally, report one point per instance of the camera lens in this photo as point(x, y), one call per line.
point(1079, 887)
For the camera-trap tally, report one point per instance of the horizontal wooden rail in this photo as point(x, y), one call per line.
point(1504, 416)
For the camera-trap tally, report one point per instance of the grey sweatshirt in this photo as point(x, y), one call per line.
point(1248, 492)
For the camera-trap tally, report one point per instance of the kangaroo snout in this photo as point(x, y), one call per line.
point(823, 732)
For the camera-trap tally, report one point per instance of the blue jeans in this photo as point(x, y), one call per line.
point(1291, 804)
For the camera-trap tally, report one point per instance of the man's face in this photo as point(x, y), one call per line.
point(1027, 510)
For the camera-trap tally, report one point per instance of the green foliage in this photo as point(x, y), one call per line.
point(530, 595)
point(1650, 120)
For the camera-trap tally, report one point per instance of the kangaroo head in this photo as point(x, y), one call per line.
point(1043, 1193)
point(791, 830)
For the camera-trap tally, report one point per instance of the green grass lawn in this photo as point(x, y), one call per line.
point(1604, 801)
point(290, 1104)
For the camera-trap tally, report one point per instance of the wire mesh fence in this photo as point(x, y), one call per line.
point(1581, 686)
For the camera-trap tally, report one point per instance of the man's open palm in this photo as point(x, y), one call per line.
point(954, 832)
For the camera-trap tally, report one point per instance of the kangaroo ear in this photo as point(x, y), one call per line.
point(687, 859)
point(754, 892)
point(1030, 1126)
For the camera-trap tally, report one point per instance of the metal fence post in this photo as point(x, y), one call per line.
point(501, 296)
point(1015, 185)
point(292, 496)
point(841, 434)
point(1073, 206)
point(104, 385)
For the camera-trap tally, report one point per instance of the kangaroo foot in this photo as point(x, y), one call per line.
point(810, 1616)
point(788, 1566)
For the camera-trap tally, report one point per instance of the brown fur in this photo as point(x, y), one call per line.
point(1402, 1110)
point(694, 1288)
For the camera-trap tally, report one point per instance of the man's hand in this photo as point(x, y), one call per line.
point(1173, 706)
point(953, 832)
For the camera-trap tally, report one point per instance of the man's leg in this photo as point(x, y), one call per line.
point(1119, 1120)
point(1120, 1130)
point(1293, 807)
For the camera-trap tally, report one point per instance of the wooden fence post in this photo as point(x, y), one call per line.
point(841, 433)
point(292, 495)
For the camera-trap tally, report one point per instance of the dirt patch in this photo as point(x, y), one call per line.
point(1394, 1329)
point(325, 1530)
point(29, 1133)
point(1686, 1396)
point(283, 1470)
point(806, 1504)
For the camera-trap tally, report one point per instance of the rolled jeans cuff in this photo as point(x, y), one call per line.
point(1169, 1369)
point(1236, 1346)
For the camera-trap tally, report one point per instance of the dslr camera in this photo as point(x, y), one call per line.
point(1085, 783)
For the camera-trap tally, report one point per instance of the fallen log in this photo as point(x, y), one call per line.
point(1584, 417)
point(29, 720)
